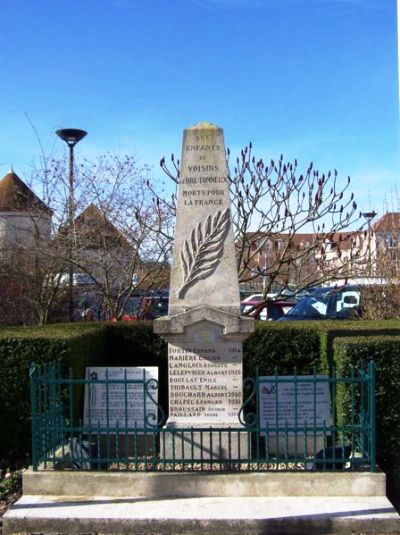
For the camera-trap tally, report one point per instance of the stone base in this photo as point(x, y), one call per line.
point(127, 446)
point(172, 484)
point(283, 446)
point(119, 447)
point(210, 445)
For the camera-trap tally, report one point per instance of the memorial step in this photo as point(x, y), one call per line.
point(205, 516)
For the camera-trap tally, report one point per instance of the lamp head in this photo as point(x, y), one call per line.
point(369, 215)
point(71, 136)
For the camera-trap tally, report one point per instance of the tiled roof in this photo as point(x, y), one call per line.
point(94, 229)
point(15, 196)
point(389, 222)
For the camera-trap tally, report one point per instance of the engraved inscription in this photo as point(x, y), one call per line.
point(203, 180)
point(198, 168)
point(200, 254)
point(208, 148)
point(205, 382)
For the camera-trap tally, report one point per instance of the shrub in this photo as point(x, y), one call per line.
point(352, 329)
point(282, 346)
point(304, 344)
point(386, 353)
point(135, 344)
point(10, 484)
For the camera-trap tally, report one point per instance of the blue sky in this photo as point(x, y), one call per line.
point(312, 79)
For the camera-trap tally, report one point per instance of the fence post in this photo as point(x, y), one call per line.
point(372, 413)
point(32, 375)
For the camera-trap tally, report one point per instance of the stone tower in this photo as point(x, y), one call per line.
point(25, 220)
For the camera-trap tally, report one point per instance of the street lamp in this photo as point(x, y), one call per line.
point(369, 216)
point(262, 251)
point(71, 136)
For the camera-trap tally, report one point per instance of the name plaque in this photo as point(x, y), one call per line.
point(123, 405)
point(301, 403)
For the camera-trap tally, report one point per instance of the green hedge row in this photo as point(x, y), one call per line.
point(306, 345)
point(135, 344)
point(385, 351)
point(282, 347)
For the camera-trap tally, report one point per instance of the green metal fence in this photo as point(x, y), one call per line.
point(280, 426)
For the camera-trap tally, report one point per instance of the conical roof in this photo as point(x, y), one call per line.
point(15, 196)
point(93, 220)
point(94, 229)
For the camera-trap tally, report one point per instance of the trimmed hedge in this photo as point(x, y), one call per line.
point(307, 345)
point(80, 345)
point(135, 344)
point(385, 351)
point(282, 346)
point(339, 329)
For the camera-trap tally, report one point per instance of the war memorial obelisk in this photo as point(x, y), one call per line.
point(203, 328)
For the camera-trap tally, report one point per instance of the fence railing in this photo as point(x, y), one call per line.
point(285, 423)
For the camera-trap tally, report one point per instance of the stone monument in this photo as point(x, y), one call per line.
point(203, 328)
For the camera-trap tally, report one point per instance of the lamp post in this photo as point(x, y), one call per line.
point(71, 136)
point(262, 252)
point(369, 216)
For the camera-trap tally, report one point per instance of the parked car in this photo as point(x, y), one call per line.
point(247, 306)
point(257, 298)
point(146, 307)
point(327, 303)
point(78, 279)
point(267, 310)
point(272, 310)
point(253, 298)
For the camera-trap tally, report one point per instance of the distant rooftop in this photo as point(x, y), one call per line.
point(93, 227)
point(389, 222)
point(16, 196)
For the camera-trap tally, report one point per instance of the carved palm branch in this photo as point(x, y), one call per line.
point(200, 254)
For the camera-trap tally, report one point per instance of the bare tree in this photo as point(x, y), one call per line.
point(29, 285)
point(290, 228)
point(118, 235)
